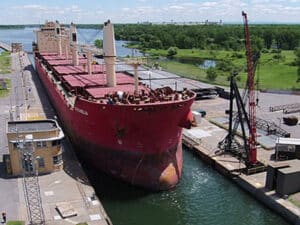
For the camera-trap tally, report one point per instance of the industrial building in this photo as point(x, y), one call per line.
point(34, 146)
point(287, 148)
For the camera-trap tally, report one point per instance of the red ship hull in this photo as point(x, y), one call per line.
point(140, 144)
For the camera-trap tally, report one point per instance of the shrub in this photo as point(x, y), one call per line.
point(279, 57)
point(264, 50)
point(225, 66)
point(98, 43)
point(211, 74)
point(237, 55)
point(276, 51)
point(172, 51)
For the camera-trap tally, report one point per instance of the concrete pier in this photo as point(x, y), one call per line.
point(70, 187)
point(5, 46)
point(203, 141)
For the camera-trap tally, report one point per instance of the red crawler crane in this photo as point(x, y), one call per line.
point(243, 119)
point(251, 95)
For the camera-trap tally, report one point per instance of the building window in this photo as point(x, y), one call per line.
point(41, 162)
point(16, 145)
point(41, 144)
point(57, 159)
point(56, 142)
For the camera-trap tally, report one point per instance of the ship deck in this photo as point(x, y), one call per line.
point(95, 80)
point(76, 80)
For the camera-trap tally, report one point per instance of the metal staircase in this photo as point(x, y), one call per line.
point(31, 182)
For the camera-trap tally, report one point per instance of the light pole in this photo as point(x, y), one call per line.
point(36, 165)
point(17, 103)
point(279, 119)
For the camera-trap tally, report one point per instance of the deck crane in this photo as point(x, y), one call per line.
point(248, 151)
point(86, 49)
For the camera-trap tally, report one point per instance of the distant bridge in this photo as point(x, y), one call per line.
point(5, 47)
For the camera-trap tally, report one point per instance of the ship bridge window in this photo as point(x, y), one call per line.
point(57, 159)
point(74, 37)
point(41, 144)
point(56, 142)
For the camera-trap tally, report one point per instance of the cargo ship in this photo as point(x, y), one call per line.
point(116, 124)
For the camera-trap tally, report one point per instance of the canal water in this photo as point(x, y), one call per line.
point(207, 63)
point(203, 197)
point(85, 36)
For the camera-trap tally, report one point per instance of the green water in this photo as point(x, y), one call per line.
point(203, 197)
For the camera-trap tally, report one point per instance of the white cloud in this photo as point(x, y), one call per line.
point(176, 7)
point(32, 7)
point(169, 10)
point(209, 4)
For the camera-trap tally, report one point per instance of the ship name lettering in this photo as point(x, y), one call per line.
point(81, 111)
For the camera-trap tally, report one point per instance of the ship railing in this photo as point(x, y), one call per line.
point(57, 82)
point(69, 97)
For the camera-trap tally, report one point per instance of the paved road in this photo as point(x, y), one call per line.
point(9, 198)
point(28, 100)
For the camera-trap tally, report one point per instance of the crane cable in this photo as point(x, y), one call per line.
point(88, 39)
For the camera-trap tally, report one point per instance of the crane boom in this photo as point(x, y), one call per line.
point(251, 95)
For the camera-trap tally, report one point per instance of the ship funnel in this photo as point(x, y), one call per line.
point(58, 36)
point(109, 53)
point(73, 43)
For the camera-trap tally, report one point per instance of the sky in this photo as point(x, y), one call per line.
point(133, 11)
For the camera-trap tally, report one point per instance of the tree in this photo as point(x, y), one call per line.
point(286, 37)
point(211, 74)
point(172, 51)
point(188, 42)
point(268, 39)
point(257, 44)
point(226, 66)
point(98, 43)
point(155, 43)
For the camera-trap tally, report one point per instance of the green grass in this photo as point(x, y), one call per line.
point(196, 53)
point(189, 71)
point(272, 73)
point(5, 63)
point(295, 202)
point(4, 92)
point(81, 224)
point(14, 223)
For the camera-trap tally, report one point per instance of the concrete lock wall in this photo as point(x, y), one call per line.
point(272, 174)
point(270, 180)
point(287, 182)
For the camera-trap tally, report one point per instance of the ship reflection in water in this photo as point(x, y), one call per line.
point(203, 197)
